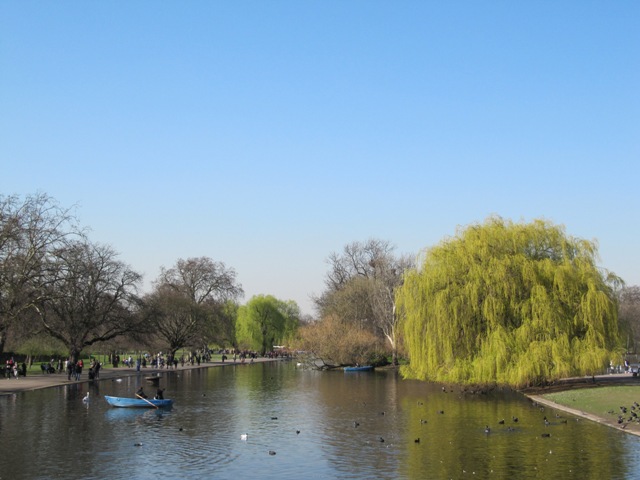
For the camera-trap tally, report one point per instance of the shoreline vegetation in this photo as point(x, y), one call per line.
point(605, 399)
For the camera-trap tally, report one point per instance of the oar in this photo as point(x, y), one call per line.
point(153, 405)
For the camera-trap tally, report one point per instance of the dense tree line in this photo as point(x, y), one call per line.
point(57, 284)
point(188, 299)
point(513, 303)
point(499, 303)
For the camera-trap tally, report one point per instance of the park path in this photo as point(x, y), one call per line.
point(9, 386)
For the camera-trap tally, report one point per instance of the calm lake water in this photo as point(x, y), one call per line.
point(319, 425)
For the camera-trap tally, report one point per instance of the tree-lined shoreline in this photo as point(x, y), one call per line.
point(500, 303)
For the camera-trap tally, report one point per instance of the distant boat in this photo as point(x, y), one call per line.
point(363, 368)
point(137, 402)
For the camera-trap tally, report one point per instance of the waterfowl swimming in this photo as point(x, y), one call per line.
point(244, 436)
point(501, 422)
point(487, 429)
point(546, 422)
point(86, 398)
point(271, 452)
point(297, 432)
point(545, 435)
point(417, 440)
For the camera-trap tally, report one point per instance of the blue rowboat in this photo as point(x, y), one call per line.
point(137, 402)
point(363, 368)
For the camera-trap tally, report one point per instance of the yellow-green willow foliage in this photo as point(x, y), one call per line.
point(508, 303)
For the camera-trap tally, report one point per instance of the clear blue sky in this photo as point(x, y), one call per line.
point(268, 134)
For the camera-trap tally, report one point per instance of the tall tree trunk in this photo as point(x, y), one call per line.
point(74, 354)
point(3, 339)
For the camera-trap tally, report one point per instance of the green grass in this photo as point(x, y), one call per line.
point(597, 401)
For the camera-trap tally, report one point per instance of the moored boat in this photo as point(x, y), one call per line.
point(138, 402)
point(362, 368)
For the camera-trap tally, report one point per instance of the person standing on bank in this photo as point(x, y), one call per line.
point(79, 366)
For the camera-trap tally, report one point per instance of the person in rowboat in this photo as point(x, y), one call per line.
point(159, 394)
point(140, 393)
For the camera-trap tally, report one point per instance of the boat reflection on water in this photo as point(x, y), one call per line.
point(123, 414)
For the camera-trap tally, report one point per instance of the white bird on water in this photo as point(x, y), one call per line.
point(86, 398)
point(244, 437)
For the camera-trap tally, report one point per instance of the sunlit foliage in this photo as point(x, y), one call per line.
point(512, 303)
point(265, 322)
point(333, 342)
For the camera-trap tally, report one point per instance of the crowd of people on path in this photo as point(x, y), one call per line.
point(74, 369)
point(14, 370)
point(159, 360)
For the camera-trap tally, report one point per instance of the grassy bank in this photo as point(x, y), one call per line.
point(597, 401)
point(601, 404)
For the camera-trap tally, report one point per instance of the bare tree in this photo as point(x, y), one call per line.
point(188, 300)
point(221, 329)
point(629, 315)
point(202, 279)
point(361, 286)
point(31, 229)
point(176, 319)
point(89, 297)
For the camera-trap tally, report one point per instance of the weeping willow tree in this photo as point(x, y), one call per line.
point(266, 321)
point(516, 304)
